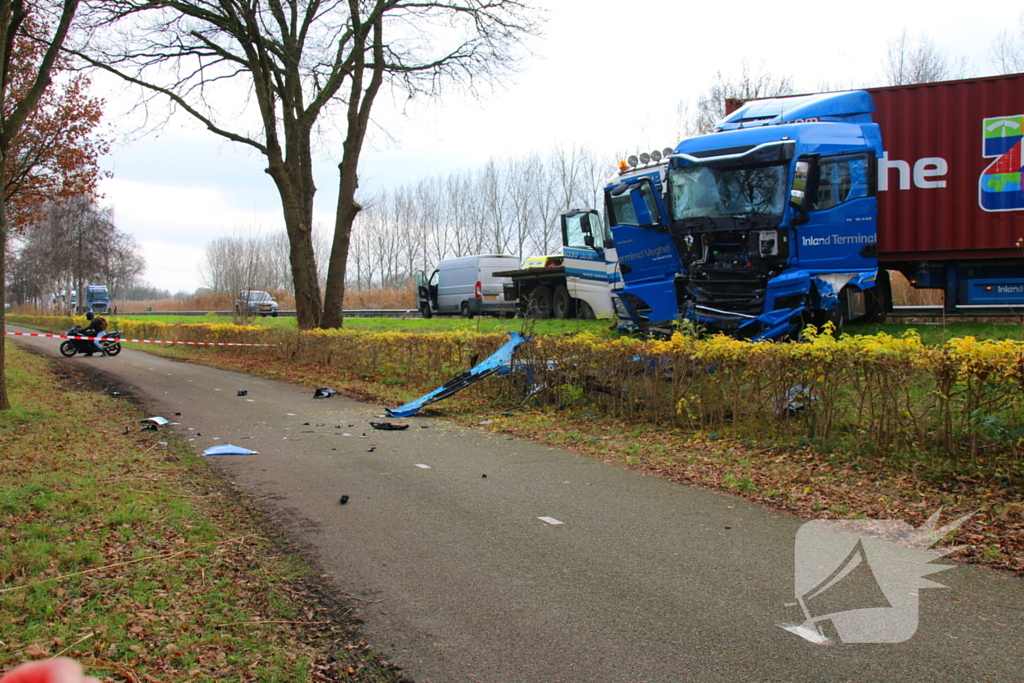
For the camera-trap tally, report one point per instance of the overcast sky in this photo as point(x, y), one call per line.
point(608, 75)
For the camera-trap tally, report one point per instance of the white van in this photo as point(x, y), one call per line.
point(466, 286)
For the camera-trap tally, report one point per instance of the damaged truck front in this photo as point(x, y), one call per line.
point(758, 229)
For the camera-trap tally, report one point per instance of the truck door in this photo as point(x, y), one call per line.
point(648, 259)
point(839, 234)
point(588, 255)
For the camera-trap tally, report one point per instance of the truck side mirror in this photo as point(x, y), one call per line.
point(801, 181)
point(585, 225)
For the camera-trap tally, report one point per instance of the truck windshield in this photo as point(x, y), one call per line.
point(702, 191)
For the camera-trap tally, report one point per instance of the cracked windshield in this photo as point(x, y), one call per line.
point(703, 192)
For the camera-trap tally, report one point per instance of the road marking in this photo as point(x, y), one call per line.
point(550, 520)
point(423, 467)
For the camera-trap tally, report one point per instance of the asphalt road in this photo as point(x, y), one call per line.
point(641, 581)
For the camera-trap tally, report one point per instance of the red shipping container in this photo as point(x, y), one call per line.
point(934, 135)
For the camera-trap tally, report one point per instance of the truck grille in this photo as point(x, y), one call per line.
point(733, 290)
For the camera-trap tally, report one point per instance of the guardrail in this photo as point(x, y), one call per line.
point(1015, 312)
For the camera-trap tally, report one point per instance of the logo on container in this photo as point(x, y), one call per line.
point(1000, 183)
point(863, 577)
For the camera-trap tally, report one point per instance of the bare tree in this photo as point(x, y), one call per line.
point(121, 264)
point(236, 265)
point(15, 109)
point(749, 84)
point(1007, 51)
point(297, 58)
point(908, 60)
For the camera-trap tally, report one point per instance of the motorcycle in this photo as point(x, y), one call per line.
point(111, 343)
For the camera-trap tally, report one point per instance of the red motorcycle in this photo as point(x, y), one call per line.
point(111, 343)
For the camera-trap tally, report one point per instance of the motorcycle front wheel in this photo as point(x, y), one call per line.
point(113, 349)
point(68, 348)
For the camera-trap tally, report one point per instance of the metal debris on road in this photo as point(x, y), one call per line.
point(242, 392)
point(324, 392)
point(388, 426)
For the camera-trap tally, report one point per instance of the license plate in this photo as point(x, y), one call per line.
point(490, 296)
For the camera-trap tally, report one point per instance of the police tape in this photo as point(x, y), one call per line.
point(141, 341)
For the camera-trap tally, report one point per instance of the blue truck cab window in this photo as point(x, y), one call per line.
point(624, 203)
point(842, 179)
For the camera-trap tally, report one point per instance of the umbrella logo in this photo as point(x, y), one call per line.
point(858, 581)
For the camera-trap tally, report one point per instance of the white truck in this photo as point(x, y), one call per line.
point(579, 282)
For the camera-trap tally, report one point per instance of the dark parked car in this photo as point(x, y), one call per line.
point(256, 302)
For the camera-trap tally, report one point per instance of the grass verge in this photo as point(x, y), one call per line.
point(122, 549)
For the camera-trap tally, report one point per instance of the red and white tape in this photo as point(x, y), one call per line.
point(141, 341)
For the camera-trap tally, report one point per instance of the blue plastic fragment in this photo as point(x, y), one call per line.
point(499, 361)
point(228, 449)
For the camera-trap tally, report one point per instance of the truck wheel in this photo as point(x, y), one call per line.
point(562, 304)
point(879, 298)
point(584, 311)
point(540, 303)
point(68, 348)
point(426, 312)
point(466, 313)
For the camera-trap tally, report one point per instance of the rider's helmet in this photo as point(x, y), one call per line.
point(90, 315)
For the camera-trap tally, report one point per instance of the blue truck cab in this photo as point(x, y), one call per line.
point(759, 228)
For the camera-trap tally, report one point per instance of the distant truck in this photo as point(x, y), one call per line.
point(466, 286)
point(578, 283)
point(97, 300)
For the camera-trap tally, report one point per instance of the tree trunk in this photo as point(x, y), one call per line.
point(298, 220)
point(345, 216)
point(5, 403)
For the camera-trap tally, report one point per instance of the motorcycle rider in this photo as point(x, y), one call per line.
point(97, 328)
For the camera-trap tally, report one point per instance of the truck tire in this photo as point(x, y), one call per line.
point(426, 312)
point(584, 311)
point(540, 303)
point(562, 305)
point(879, 298)
point(464, 310)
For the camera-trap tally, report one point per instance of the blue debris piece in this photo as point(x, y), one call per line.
point(796, 399)
point(228, 449)
point(499, 362)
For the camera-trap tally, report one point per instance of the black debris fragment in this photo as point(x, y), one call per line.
point(344, 499)
point(324, 392)
point(484, 476)
point(388, 426)
point(148, 428)
point(242, 392)
point(371, 449)
point(424, 427)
